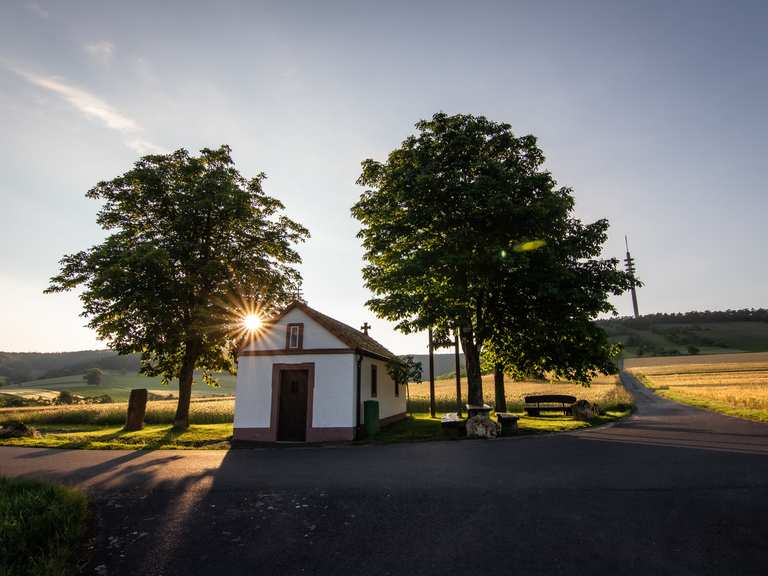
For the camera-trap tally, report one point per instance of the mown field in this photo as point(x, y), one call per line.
point(734, 384)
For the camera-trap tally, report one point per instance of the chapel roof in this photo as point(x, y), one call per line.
point(352, 337)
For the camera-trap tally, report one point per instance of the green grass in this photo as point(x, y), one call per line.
point(420, 427)
point(415, 428)
point(152, 437)
point(41, 528)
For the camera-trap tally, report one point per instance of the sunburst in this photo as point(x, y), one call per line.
point(252, 322)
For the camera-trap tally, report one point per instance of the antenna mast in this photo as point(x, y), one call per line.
point(630, 265)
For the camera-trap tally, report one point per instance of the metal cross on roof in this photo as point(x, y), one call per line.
point(365, 327)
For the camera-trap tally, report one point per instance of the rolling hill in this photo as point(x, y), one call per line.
point(691, 333)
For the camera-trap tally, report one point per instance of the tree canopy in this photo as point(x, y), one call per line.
point(191, 243)
point(462, 225)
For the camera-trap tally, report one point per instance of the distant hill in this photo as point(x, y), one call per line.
point(444, 365)
point(708, 332)
point(16, 367)
point(694, 332)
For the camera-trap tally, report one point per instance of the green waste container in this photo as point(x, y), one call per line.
point(371, 416)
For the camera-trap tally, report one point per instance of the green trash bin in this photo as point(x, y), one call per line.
point(371, 416)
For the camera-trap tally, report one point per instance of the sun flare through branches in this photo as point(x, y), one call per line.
point(252, 322)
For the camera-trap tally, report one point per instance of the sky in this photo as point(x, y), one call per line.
point(653, 112)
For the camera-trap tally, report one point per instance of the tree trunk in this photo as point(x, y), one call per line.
point(186, 373)
point(498, 382)
point(472, 361)
point(432, 411)
point(457, 362)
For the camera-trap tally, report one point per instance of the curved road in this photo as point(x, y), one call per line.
point(671, 490)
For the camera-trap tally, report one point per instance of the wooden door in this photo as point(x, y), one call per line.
point(292, 412)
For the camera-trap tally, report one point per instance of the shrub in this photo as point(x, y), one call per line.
point(65, 397)
point(93, 376)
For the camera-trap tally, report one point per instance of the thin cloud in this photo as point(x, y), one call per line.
point(144, 146)
point(100, 51)
point(92, 107)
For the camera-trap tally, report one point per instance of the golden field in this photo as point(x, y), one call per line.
point(734, 384)
point(202, 411)
point(606, 391)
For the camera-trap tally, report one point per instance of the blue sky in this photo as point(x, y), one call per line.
point(653, 112)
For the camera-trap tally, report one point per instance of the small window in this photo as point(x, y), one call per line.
point(374, 380)
point(294, 336)
point(397, 389)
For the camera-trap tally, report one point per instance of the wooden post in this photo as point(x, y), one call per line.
point(458, 372)
point(137, 407)
point(498, 381)
point(432, 410)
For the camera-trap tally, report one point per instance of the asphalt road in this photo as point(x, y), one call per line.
point(671, 490)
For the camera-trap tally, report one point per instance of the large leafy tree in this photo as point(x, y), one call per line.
point(190, 242)
point(454, 226)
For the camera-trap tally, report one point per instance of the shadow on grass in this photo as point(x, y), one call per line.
point(151, 437)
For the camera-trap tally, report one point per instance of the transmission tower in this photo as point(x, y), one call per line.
point(630, 265)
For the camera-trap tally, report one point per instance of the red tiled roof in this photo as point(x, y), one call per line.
point(350, 336)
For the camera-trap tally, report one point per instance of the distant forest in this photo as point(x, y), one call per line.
point(744, 315)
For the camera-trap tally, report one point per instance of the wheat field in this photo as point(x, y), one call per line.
point(202, 411)
point(735, 384)
point(605, 391)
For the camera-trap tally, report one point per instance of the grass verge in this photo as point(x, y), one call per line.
point(420, 427)
point(152, 437)
point(41, 528)
point(416, 428)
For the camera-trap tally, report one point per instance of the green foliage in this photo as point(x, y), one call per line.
point(41, 528)
point(404, 370)
point(93, 376)
point(462, 226)
point(190, 242)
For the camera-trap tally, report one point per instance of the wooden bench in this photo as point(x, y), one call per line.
point(535, 405)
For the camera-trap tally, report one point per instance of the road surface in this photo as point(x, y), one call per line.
point(671, 490)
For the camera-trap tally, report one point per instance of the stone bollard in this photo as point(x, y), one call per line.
point(582, 410)
point(481, 426)
point(137, 407)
